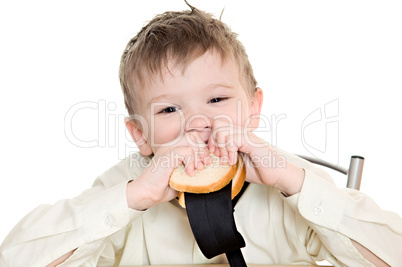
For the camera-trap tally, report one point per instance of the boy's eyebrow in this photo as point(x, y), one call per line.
point(214, 85)
point(157, 99)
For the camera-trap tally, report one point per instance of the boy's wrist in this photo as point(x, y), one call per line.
point(135, 197)
point(291, 180)
point(149, 190)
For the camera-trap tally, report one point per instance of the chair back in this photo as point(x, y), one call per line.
point(354, 172)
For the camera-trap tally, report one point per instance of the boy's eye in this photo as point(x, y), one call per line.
point(217, 99)
point(169, 110)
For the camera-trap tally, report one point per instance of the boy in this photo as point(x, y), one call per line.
point(190, 91)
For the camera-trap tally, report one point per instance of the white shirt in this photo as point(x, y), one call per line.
point(315, 224)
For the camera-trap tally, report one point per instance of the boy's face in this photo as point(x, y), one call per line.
point(207, 95)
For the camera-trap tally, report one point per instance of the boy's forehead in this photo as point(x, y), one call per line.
point(173, 67)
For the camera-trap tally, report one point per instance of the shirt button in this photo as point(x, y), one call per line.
point(317, 210)
point(109, 221)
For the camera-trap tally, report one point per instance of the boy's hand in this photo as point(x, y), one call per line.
point(264, 165)
point(152, 186)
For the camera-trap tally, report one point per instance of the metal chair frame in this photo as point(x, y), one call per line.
point(354, 172)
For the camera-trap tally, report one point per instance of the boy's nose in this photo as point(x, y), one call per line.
point(198, 122)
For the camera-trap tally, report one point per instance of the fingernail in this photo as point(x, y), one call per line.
point(224, 160)
point(191, 172)
point(200, 166)
point(207, 160)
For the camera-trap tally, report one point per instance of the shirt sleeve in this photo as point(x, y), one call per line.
point(337, 215)
point(81, 224)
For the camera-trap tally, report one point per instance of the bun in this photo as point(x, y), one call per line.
point(212, 178)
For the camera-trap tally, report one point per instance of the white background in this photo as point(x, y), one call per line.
point(58, 55)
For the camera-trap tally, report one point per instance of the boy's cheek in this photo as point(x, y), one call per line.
point(164, 136)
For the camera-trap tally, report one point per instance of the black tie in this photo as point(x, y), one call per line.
point(212, 222)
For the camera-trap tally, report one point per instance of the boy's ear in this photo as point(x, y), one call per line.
point(138, 137)
point(255, 108)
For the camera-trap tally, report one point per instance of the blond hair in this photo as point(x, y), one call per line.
point(182, 37)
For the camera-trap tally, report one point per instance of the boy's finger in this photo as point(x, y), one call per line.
point(211, 146)
point(206, 158)
point(222, 140)
point(198, 162)
point(232, 152)
point(217, 152)
point(224, 155)
point(232, 157)
point(189, 164)
point(200, 150)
